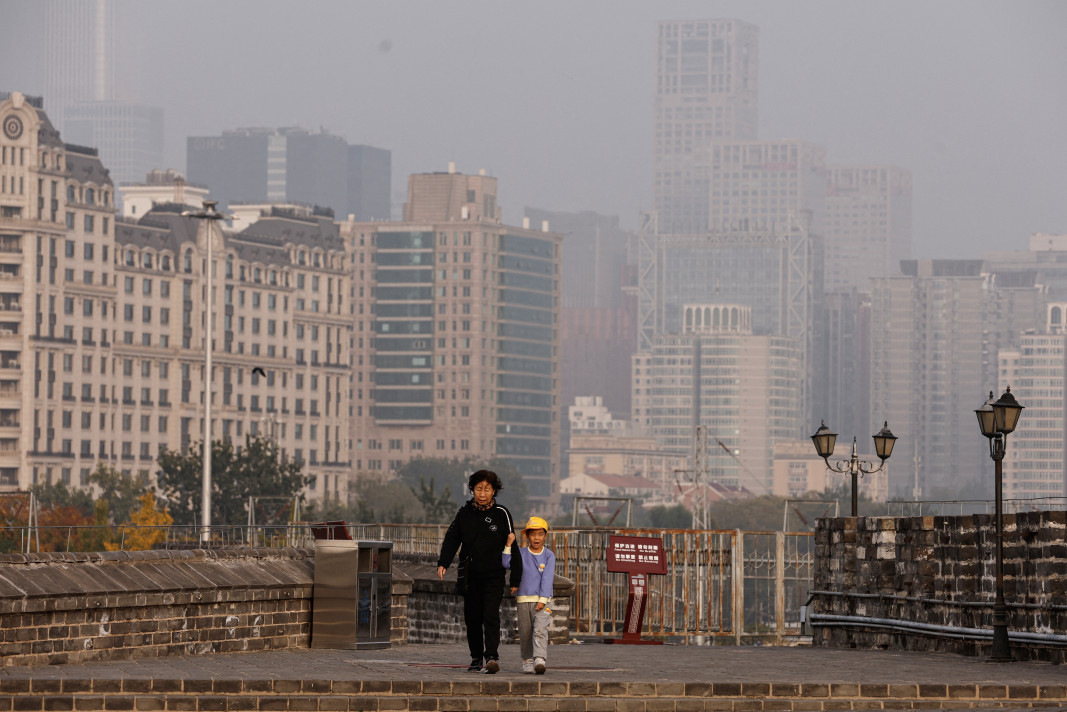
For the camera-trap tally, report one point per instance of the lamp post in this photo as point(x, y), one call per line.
point(824, 440)
point(210, 215)
point(997, 419)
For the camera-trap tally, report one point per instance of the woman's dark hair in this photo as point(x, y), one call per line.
point(485, 476)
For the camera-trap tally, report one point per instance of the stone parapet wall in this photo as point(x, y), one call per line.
point(435, 612)
point(62, 608)
point(880, 575)
point(59, 608)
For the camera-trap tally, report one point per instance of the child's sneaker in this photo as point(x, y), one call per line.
point(492, 667)
point(528, 667)
point(475, 666)
point(539, 666)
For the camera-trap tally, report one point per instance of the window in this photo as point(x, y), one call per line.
point(88, 250)
point(89, 223)
point(68, 250)
point(146, 287)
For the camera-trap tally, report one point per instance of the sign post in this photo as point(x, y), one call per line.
point(637, 556)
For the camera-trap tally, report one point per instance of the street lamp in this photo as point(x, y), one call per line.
point(211, 215)
point(824, 440)
point(997, 419)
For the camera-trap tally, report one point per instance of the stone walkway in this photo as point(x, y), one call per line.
point(590, 669)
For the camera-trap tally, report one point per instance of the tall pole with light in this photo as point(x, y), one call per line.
point(211, 216)
point(824, 440)
point(997, 419)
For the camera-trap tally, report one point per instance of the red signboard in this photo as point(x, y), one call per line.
point(636, 555)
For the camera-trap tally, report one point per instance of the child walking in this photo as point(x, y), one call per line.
point(533, 594)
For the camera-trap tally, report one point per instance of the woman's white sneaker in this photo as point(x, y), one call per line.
point(539, 666)
point(528, 666)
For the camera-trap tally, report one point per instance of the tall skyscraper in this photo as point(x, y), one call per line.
point(597, 319)
point(707, 75)
point(868, 225)
point(456, 339)
point(926, 375)
point(1035, 463)
point(80, 40)
point(293, 165)
point(764, 185)
point(717, 373)
point(129, 137)
point(81, 90)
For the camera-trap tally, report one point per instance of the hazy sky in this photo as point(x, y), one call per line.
point(555, 98)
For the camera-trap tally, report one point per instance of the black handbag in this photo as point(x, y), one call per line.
point(463, 582)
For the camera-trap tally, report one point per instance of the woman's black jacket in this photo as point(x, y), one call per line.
point(480, 536)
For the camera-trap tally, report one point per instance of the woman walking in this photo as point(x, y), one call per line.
point(480, 533)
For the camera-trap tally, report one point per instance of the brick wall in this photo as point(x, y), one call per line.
point(940, 571)
point(58, 608)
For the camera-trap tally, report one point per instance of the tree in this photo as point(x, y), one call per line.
point(389, 501)
point(258, 469)
point(150, 523)
point(438, 507)
point(121, 491)
point(444, 472)
point(675, 517)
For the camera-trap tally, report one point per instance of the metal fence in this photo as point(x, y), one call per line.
point(720, 586)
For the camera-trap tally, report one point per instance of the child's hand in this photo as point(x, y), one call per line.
point(514, 590)
point(540, 606)
point(511, 538)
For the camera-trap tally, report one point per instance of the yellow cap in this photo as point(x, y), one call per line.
point(536, 523)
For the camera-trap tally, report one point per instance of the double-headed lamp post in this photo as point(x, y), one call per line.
point(824, 440)
point(210, 215)
point(997, 419)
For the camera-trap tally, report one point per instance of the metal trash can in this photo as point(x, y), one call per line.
point(351, 603)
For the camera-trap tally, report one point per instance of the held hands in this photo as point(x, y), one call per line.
point(540, 606)
point(441, 572)
point(511, 538)
point(514, 590)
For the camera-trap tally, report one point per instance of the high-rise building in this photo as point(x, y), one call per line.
point(707, 75)
point(764, 185)
point(81, 90)
point(776, 272)
point(80, 44)
point(597, 317)
point(293, 165)
point(846, 361)
point(1035, 462)
point(926, 375)
point(456, 334)
point(129, 137)
point(718, 373)
point(868, 224)
point(1042, 265)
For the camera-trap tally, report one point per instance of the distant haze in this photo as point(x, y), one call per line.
point(555, 98)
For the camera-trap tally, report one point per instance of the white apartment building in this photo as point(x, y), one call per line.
point(103, 323)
